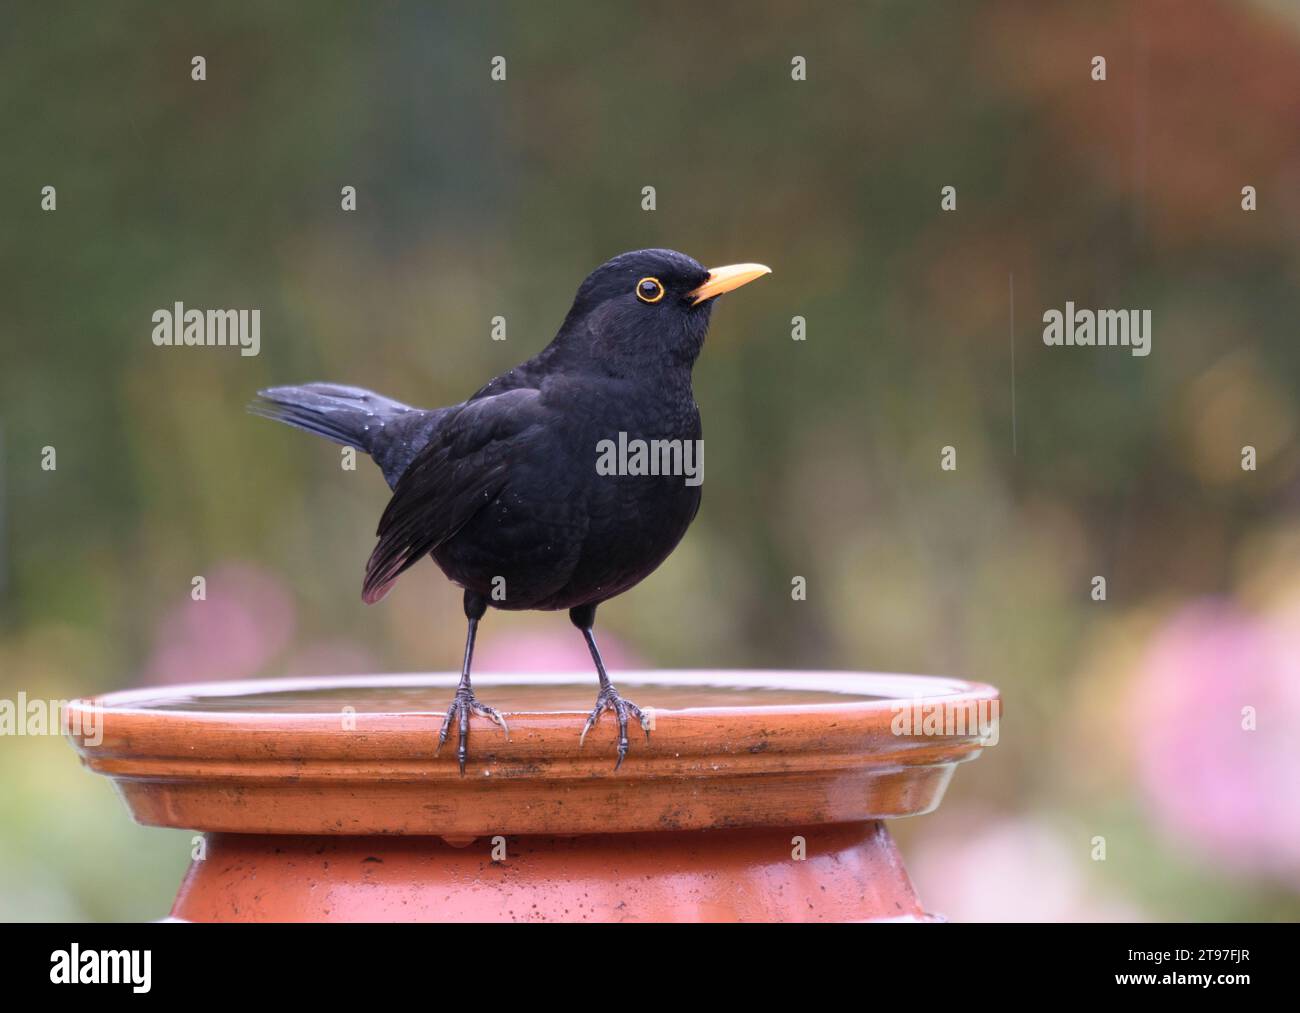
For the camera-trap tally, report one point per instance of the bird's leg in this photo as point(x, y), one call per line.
point(464, 703)
point(608, 698)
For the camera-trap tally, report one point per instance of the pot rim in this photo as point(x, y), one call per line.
point(717, 766)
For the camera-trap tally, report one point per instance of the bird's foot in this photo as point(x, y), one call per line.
point(609, 700)
point(464, 704)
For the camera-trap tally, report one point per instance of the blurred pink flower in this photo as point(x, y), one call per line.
point(1231, 794)
point(563, 650)
point(1016, 870)
point(247, 618)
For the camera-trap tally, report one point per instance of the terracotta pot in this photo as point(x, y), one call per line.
point(760, 795)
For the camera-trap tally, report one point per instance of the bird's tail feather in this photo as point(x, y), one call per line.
point(351, 416)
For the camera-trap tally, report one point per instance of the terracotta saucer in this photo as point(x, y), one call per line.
point(759, 795)
point(355, 755)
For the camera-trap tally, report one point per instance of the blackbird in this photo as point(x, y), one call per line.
point(560, 483)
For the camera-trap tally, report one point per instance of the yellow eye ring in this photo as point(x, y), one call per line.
point(649, 290)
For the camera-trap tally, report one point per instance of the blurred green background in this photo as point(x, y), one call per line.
point(1123, 718)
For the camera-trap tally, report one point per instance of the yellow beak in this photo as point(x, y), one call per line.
point(724, 279)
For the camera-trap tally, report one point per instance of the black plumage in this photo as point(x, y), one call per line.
point(503, 490)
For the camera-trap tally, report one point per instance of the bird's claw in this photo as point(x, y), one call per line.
point(609, 700)
point(463, 704)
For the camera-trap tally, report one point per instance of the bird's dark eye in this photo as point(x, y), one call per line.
point(649, 290)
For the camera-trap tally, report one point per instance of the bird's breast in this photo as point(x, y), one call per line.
point(588, 514)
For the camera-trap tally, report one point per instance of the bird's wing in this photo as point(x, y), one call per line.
point(460, 470)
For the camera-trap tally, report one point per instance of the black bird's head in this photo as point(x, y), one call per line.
point(648, 307)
